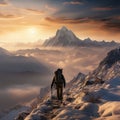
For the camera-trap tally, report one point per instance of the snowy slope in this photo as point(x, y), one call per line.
point(93, 102)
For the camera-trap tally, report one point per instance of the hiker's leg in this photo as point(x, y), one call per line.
point(61, 92)
point(57, 92)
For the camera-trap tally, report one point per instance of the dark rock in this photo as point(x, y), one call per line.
point(69, 99)
point(112, 57)
point(22, 116)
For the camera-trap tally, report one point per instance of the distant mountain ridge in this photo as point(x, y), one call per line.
point(65, 37)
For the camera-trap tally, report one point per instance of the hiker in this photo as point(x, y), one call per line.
point(59, 82)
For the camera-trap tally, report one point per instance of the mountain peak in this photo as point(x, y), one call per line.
point(64, 28)
point(63, 37)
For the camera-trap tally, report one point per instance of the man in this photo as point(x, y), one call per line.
point(59, 81)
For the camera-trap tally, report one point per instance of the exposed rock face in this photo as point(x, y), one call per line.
point(109, 67)
point(112, 57)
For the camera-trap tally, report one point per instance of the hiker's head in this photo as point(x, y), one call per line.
point(59, 70)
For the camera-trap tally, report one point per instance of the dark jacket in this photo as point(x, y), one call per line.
point(53, 81)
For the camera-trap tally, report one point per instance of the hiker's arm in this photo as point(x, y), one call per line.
point(53, 82)
point(64, 80)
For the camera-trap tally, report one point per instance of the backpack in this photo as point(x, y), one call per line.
point(59, 78)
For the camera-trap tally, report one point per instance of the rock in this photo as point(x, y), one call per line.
point(36, 117)
point(22, 116)
point(70, 99)
point(45, 108)
point(71, 114)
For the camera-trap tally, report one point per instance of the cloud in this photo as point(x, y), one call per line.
point(67, 20)
point(102, 8)
point(112, 25)
point(17, 95)
point(21, 70)
point(34, 11)
point(73, 3)
point(51, 9)
point(9, 16)
point(117, 17)
point(3, 3)
point(79, 63)
point(11, 12)
point(21, 78)
point(6, 15)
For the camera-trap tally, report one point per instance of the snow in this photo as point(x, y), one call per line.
point(71, 114)
point(15, 112)
point(109, 108)
point(77, 105)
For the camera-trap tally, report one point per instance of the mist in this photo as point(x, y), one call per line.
point(72, 60)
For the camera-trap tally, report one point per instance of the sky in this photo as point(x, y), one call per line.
point(27, 21)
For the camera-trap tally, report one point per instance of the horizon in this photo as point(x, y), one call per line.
point(13, 46)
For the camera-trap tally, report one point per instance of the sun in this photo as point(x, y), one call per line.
point(32, 30)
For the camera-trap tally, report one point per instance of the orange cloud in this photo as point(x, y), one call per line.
point(9, 16)
point(117, 17)
point(33, 11)
point(102, 8)
point(3, 3)
point(67, 20)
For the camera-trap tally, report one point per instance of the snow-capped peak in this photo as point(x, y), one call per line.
point(65, 34)
point(63, 37)
point(64, 29)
